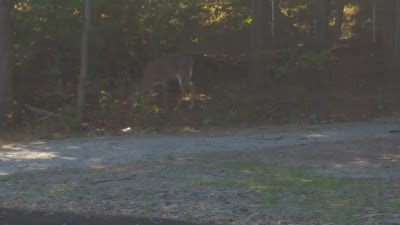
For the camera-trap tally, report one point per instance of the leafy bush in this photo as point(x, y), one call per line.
point(288, 61)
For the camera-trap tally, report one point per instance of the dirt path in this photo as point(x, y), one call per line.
point(254, 176)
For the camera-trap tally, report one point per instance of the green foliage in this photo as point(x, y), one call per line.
point(124, 35)
point(314, 60)
point(66, 118)
point(290, 61)
point(249, 20)
point(143, 105)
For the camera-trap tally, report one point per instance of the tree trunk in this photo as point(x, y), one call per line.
point(6, 54)
point(275, 16)
point(339, 19)
point(323, 24)
point(373, 21)
point(396, 44)
point(389, 27)
point(81, 101)
point(257, 43)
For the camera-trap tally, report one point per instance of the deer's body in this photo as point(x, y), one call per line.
point(166, 68)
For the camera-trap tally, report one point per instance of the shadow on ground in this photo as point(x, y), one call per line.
point(22, 217)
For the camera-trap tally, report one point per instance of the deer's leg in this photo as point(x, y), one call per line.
point(182, 92)
point(190, 84)
point(192, 93)
point(165, 94)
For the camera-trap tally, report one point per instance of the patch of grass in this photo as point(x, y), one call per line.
point(245, 166)
point(211, 181)
point(151, 173)
point(14, 178)
point(149, 207)
point(33, 192)
point(39, 190)
point(58, 190)
point(205, 158)
point(85, 193)
point(171, 157)
point(396, 204)
point(333, 199)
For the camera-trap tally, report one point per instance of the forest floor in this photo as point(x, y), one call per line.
point(338, 173)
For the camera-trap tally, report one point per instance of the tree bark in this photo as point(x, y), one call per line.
point(275, 32)
point(81, 101)
point(6, 54)
point(257, 39)
point(389, 26)
point(323, 35)
point(373, 2)
point(396, 44)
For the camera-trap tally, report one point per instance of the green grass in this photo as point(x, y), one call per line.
point(149, 207)
point(303, 193)
point(396, 204)
point(14, 178)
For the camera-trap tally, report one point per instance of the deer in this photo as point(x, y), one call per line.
point(167, 68)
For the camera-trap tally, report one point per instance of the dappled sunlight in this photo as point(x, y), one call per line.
point(38, 143)
point(262, 187)
point(30, 159)
point(2, 173)
point(105, 16)
point(305, 180)
point(186, 98)
point(203, 97)
point(22, 7)
point(315, 135)
point(190, 129)
point(27, 154)
point(319, 135)
point(338, 165)
point(301, 26)
point(74, 147)
point(215, 14)
point(22, 153)
point(34, 156)
point(383, 162)
point(351, 9)
point(97, 166)
point(360, 162)
point(391, 157)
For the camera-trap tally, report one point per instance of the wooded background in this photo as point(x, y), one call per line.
point(255, 61)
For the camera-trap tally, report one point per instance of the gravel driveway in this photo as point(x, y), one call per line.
point(148, 175)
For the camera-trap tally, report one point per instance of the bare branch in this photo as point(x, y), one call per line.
point(39, 111)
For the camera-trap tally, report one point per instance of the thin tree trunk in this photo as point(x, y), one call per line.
point(323, 23)
point(389, 25)
point(257, 39)
point(396, 44)
point(373, 21)
point(275, 16)
point(6, 54)
point(81, 101)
